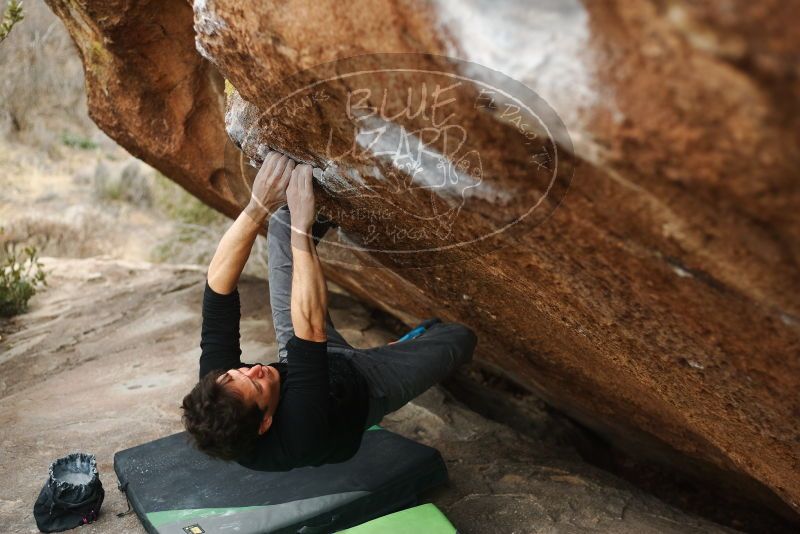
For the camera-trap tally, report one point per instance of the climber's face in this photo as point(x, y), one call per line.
point(258, 385)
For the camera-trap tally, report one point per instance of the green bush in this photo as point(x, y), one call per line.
point(73, 140)
point(21, 274)
point(11, 16)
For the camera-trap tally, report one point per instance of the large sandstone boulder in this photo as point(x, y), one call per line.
point(654, 292)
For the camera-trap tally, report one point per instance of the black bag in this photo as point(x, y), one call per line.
point(71, 496)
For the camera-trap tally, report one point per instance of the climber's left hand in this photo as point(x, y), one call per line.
point(269, 186)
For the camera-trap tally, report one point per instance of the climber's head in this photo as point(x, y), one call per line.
point(227, 411)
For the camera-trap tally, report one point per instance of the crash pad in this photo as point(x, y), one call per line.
point(176, 489)
point(422, 519)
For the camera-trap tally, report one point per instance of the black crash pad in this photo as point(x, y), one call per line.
point(175, 489)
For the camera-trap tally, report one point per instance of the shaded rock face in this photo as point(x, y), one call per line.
point(657, 302)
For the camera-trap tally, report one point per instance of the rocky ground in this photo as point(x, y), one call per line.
point(106, 352)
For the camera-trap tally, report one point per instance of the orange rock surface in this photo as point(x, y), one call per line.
point(654, 295)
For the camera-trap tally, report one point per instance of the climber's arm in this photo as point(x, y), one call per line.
point(269, 191)
point(231, 255)
point(309, 292)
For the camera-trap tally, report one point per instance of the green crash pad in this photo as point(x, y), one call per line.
point(423, 519)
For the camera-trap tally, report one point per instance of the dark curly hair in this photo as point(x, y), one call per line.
point(218, 419)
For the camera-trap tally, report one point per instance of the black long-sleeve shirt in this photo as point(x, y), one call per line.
point(323, 402)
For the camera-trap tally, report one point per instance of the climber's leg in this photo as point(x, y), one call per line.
point(400, 372)
point(279, 250)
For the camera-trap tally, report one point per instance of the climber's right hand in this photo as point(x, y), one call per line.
point(300, 196)
point(269, 186)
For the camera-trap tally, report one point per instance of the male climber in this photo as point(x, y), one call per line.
point(313, 406)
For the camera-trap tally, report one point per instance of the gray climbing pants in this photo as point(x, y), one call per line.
point(396, 373)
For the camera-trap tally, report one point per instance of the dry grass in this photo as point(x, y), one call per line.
point(65, 187)
point(42, 97)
